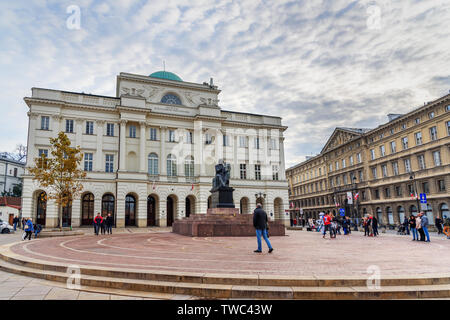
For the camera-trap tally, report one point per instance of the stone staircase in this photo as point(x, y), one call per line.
point(226, 286)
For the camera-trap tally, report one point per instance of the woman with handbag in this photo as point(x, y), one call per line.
point(28, 229)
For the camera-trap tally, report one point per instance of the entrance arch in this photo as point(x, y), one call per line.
point(151, 211)
point(108, 202)
point(41, 208)
point(66, 220)
point(390, 215)
point(190, 206)
point(278, 208)
point(171, 205)
point(244, 206)
point(87, 209)
point(130, 210)
point(401, 214)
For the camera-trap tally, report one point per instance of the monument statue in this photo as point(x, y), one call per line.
point(221, 192)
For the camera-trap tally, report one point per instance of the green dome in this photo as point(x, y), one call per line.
point(165, 75)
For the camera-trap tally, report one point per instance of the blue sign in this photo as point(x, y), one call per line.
point(423, 198)
point(342, 212)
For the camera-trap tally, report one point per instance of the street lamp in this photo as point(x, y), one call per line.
point(412, 178)
point(353, 202)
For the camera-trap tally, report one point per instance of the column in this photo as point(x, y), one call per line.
point(31, 154)
point(235, 171)
point(142, 212)
point(98, 164)
point(142, 139)
point(181, 210)
point(282, 173)
point(163, 212)
point(162, 157)
point(76, 213)
point(122, 139)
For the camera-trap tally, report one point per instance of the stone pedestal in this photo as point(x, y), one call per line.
point(222, 222)
point(222, 197)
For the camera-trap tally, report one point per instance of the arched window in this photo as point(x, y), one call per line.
point(130, 210)
point(170, 98)
point(171, 165)
point(87, 209)
point(379, 215)
point(153, 164)
point(390, 215)
point(401, 214)
point(444, 211)
point(189, 166)
point(429, 213)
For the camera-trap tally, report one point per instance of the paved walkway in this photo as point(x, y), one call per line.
point(299, 253)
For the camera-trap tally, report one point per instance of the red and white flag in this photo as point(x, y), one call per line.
point(192, 187)
point(414, 196)
point(356, 196)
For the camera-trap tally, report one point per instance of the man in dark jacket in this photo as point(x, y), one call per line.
point(375, 226)
point(438, 223)
point(109, 223)
point(260, 224)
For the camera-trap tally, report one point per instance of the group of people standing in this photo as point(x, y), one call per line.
point(370, 224)
point(103, 225)
point(419, 226)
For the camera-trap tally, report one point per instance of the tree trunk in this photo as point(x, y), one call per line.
point(60, 216)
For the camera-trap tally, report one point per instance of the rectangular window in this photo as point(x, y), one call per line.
point(384, 170)
point(344, 179)
point(43, 151)
point(425, 187)
point(69, 126)
point(372, 154)
point(189, 137)
point(109, 163)
point(358, 157)
point(395, 168)
point(132, 131)
point(405, 143)
point(441, 185)
point(382, 151)
point(15, 172)
point(275, 170)
point(337, 165)
point(257, 172)
point(331, 168)
point(171, 135)
point(393, 147)
point(417, 121)
point(45, 122)
point(411, 189)
point(431, 115)
point(374, 173)
point(338, 181)
point(377, 194)
point(89, 127)
point(418, 137)
point(448, 128)
point(361, 177)
point(243, 169)
point(88, 157)
point(273, 144)
point(351, 160)
point(153, 135)
point(433, 133)
point(421, 161)
point(110, 129)
point(256, 143)
point(398, 191)
point(437, 158)
point(407, 163)
point(226, 140)
point(387, 192)
point(242, 142)
point(447, 107)
point(208, 138)
point(343, 163)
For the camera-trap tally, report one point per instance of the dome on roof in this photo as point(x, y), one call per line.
point(165, 75)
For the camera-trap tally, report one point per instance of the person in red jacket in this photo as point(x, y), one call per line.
point(327, 224)
point(98, 220)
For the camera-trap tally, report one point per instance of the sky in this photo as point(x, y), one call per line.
point(317, 64)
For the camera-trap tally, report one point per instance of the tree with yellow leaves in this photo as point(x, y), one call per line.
point(60, 174)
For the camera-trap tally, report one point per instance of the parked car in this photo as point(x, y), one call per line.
point(5, 227)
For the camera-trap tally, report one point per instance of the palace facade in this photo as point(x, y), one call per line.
point(149, 152)
point(383, 168)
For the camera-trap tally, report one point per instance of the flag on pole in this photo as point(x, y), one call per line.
point(153, 186)
point(192, 187)
point(356, 196)
point(414, 196)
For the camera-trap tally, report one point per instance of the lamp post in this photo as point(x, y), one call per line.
point(353, 202)
point(412, 177)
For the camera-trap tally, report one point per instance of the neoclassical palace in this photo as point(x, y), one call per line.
point(380, 169)
point(150, 152)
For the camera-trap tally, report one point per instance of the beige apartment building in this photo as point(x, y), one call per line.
point(382, 168)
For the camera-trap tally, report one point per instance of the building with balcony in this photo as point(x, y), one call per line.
point(149, 152)
point(380, 171)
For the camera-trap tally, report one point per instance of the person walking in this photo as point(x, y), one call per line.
point(365, 223)
point(23, 223)
point(375, 226)
point(97, 223)
point(419, 228)
point(327, 225)
point(109, 223)
point(15, 222)
point(438, 222)
point(28, 228)
point(424, 224)
point(412, 227)
point(260, 224)
point(103, 225)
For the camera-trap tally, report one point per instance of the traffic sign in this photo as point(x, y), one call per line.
point(342, 212)
point(423, 198)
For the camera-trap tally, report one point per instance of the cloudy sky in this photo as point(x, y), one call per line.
point(317, 64)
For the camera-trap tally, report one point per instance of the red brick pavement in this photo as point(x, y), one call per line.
point(298, 253)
